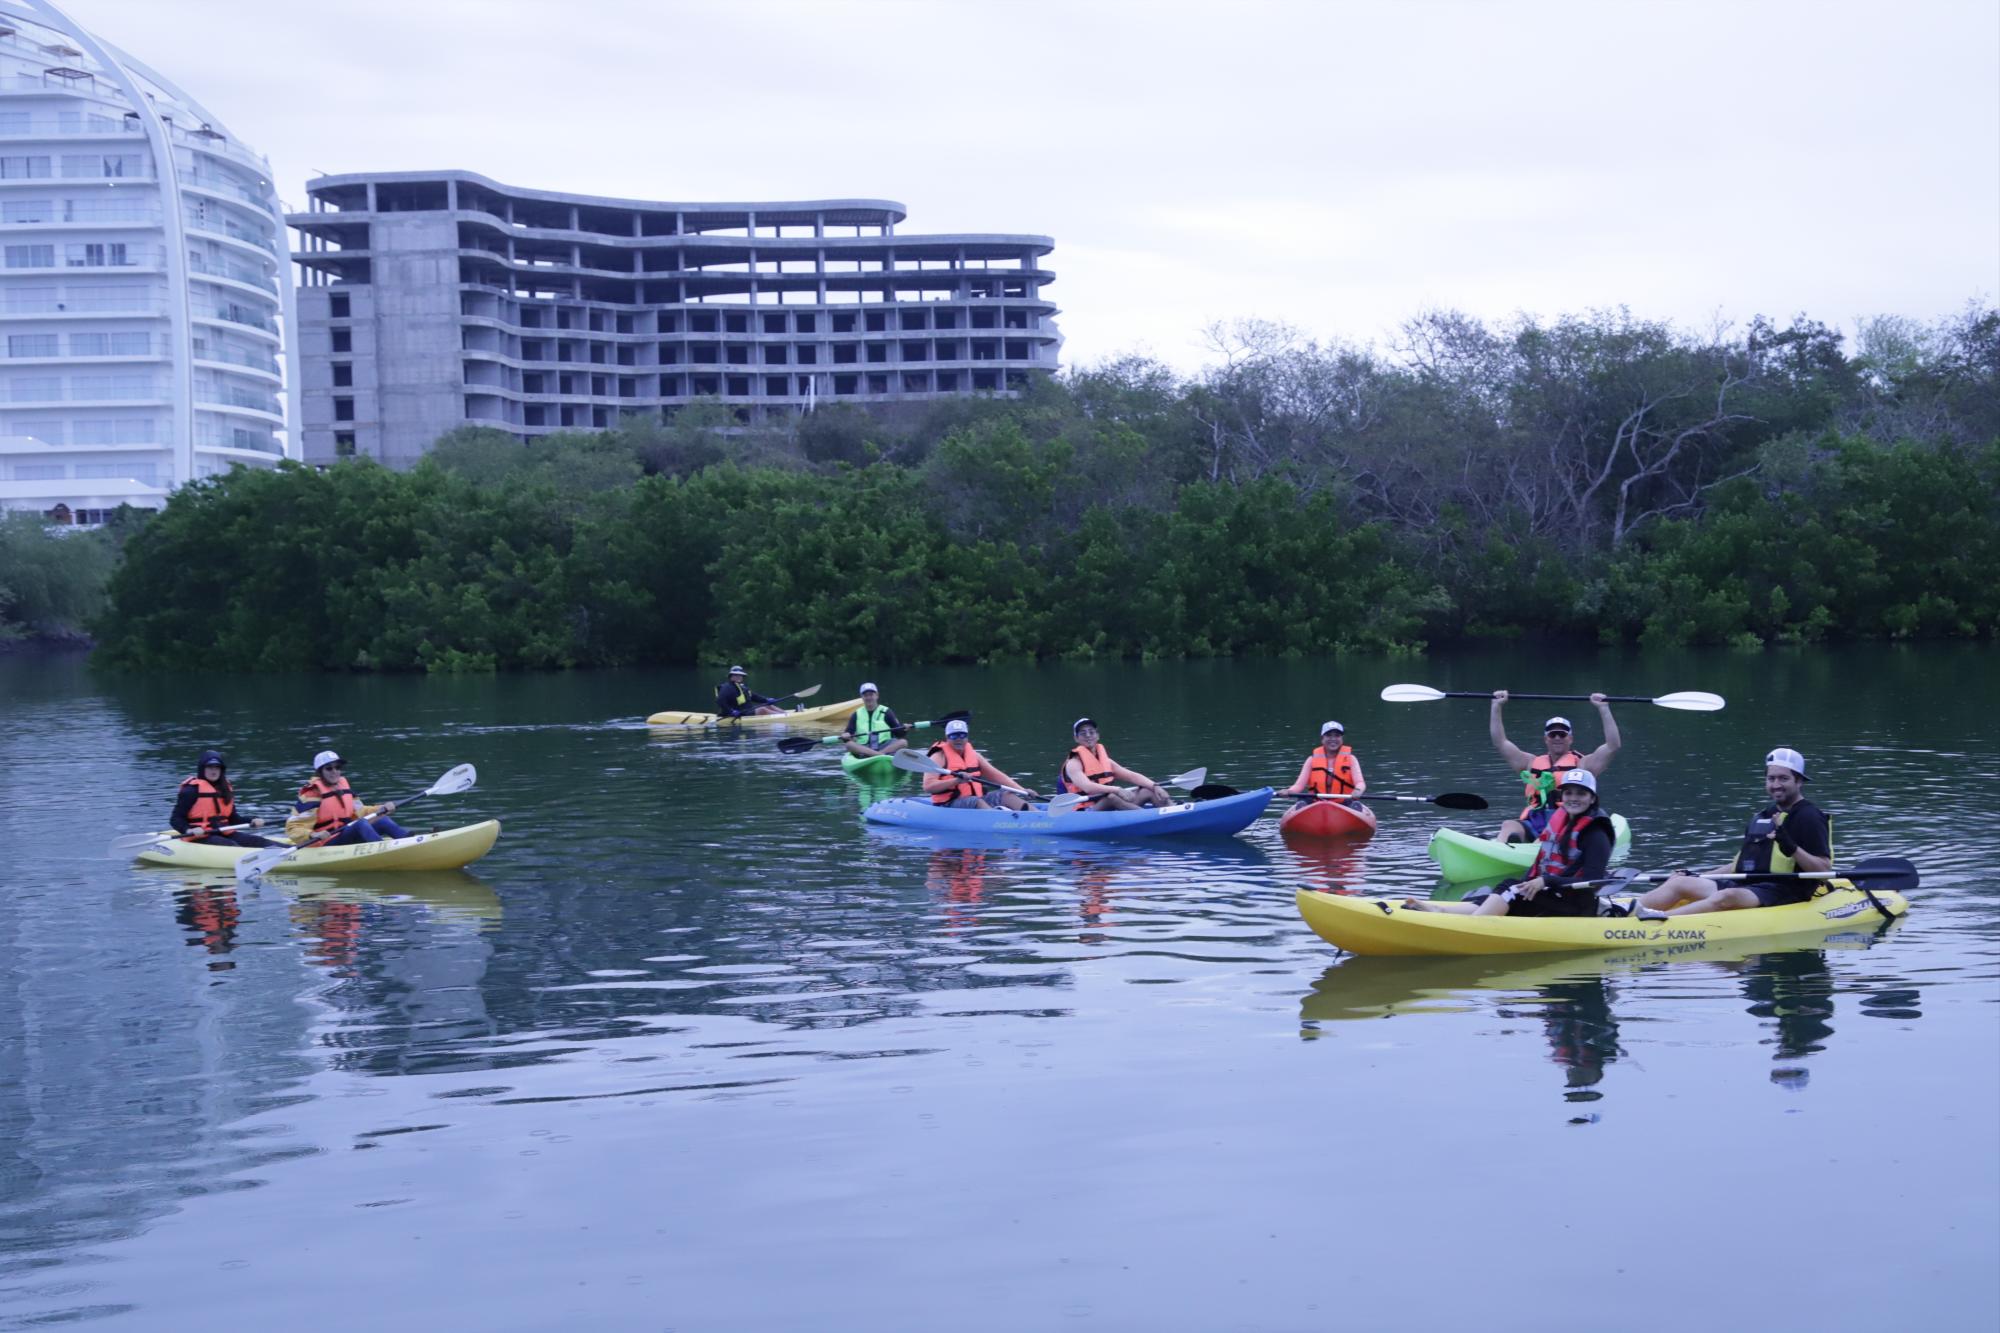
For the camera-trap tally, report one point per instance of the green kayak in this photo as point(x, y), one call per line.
point(869, 767)
point(1462, 857)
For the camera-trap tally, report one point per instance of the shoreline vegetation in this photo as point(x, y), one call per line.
point(1597, 479)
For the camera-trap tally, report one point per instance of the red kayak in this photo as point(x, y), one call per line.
point(1327, 819)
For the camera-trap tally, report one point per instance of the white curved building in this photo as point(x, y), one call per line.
point(142, 305)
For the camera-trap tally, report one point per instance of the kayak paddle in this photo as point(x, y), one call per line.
point(1881, 872)
point(261, 861)
point(133, 843)
point(911, 761)
point(1451, 800)
point(801, 744)
point(1688, 701)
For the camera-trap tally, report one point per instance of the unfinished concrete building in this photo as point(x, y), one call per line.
point(432, 300)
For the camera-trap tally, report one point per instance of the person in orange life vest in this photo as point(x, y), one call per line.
point(207, 802)
point(1332, 769)
point(338, 817)
point(735, 698)
point(872, 728)
point(1789, 834)
point(1539, 771)
point(1575, 847)
point(962, 788)
point(1089, 767)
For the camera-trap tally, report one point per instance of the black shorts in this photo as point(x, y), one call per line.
point(1778, 892)
point(1549, 902)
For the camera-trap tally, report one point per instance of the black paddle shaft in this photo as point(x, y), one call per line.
point(1562, 698)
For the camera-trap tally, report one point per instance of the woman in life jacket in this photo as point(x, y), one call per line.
point(1088, 770)
point(1575, 847)
point(206, 805)
point(1540, 772)
point(1330, 770)
point(328, 813)
point(871, 729)
point(964, 787)
point(735, 698)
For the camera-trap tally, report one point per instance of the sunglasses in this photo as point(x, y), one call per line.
point(1556, 732)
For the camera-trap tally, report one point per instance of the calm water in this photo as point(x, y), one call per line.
point(693, 1049)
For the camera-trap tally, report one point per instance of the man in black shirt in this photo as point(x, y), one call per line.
point(1787, 835)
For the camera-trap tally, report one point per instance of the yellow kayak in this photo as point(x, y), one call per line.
point(1384, 926)
point(447, 850)
point(824, 713)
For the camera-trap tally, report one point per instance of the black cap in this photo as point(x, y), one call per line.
point(211, 757)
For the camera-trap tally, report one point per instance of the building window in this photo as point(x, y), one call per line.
point(31, 344)
point(808, 356)
point(343, 444)
point(343, 409)
point(343, 340)
point(774, 386)
point(337, 306)
point(31, 256)
point(343, 375)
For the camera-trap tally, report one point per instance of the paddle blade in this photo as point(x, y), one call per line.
point(1410, 694)
point(806, 693)
point(1189, 780)
point(1691, 701)
point(912, 762)
point(1069, 800)
point(251, 866)
point(458, 779)
point(798, 744)
point(1459, 800)
point(136, 842)
point(1212, 791)
point(1883, 873)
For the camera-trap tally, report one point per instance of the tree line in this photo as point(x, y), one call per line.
point(1593, 479)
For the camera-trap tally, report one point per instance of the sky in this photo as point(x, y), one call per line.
point(1339, 167)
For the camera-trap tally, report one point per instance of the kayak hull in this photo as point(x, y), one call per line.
point(1362, 926)
point(797, 717)
point(1220, 818)
point(869, 767)
point(1464, 858)
point(1327, 819)
point(446, 850)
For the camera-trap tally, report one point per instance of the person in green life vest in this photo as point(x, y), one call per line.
point(1540, 772)
point(873, 728)
point(735, 698)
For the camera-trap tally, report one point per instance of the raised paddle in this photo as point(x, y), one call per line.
point(911, 761)
point(801, 744)
point(1688, 701)
point(1451, 800)
point(261, 861)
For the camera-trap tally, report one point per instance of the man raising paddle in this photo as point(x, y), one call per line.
point(1540, 772)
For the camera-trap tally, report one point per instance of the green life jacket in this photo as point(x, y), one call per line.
point(871, 725)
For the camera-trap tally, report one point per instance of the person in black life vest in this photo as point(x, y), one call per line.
point(337, 816)
point(872, 728)
point(1791, 833)
point(1330, 770)
point(964, 787)
point(1575, 847)
point(207, 803)
point(735, 698)
point(1088, 769)
point(1539, 772)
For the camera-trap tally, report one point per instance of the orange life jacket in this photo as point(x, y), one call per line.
point(1541, 763)
point(336, 805)
point(959, 759)
point(1085, 756)
point(1560, 853)
point(1332, 775)
point(213, 807)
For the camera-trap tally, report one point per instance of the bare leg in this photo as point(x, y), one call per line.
point(1115, 800)
point(1007, 800)
point(1676, 890)
point(1513, 830)
point(897, 744)
point(1456, 909)
point(1734, 898)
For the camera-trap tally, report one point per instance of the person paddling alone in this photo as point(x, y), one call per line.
point(872, 728)
point(1540, 771)
point(962, 788)
point(735, 698)
point(1576, 845)
point(1791, 833)
point(1088, 769)
point(1330, 770)
point(338, 818)
point(207, 803)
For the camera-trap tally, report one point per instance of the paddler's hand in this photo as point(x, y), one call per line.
point(256, 823)
point(1601, 700)
point(1529, 888)
point(386, 808)
point(1499, 696)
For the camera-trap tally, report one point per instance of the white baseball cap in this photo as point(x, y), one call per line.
point(1791, 759)
point(957, 727)
point(1325, 727)
point(1579, 777)
point(1081, 723)
point(1562, 722)
point(325, 757)
point(869, 687)
point(738, 671)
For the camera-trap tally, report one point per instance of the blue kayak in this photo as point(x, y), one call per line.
point(1231, 814)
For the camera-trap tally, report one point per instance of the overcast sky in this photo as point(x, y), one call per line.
point(1339, 166)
